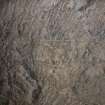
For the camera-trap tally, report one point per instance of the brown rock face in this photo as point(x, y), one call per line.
point(52, 52)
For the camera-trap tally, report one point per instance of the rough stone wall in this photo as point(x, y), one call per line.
point(52, 52)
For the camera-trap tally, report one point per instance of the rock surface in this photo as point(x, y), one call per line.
point(52, 52)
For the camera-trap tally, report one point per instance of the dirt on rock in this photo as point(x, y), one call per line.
point(52, 52)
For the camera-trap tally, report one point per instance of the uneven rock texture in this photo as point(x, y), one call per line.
point(52, 52)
